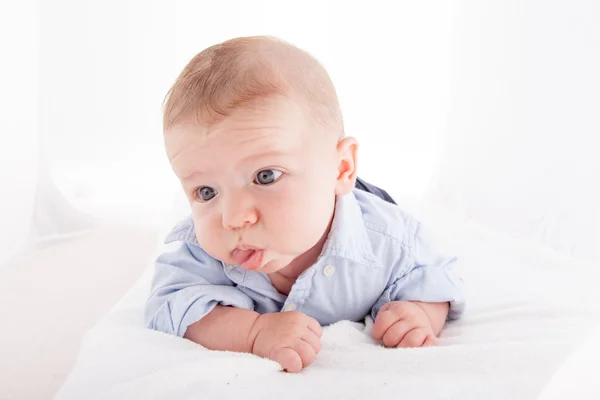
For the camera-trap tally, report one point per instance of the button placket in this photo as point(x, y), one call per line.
point(300, 290)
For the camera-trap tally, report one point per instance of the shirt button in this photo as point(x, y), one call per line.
point(290, 307)
point(329, 270)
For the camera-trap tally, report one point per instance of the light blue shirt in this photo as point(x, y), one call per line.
point(375, 253)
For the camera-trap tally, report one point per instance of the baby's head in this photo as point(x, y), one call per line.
point(254, 132)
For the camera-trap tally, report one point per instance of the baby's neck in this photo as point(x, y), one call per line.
point(282, 283)
point(284, 279)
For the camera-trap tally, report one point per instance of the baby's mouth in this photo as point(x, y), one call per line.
point(250, 259)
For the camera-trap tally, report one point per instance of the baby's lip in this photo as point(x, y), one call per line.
point(244, 247)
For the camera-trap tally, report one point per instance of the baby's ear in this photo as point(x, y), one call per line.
point(347, 149)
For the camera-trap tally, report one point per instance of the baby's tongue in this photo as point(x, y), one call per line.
point(241, 256)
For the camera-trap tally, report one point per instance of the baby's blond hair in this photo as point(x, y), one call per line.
point(237, 72)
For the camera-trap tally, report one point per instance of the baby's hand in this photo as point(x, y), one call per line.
point(403, 324)
point(293, 339)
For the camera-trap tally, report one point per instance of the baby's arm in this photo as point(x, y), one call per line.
point(187, 285)
point(421, 296)
point(224, 328)
point(292, 339)
point(192, 297)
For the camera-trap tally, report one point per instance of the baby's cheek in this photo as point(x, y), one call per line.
point(286, 210)
point(207, 234)
point(298, 217)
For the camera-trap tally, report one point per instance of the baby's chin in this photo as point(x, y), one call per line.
point(275, 264)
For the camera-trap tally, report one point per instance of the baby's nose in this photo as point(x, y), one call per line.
point(238, 214)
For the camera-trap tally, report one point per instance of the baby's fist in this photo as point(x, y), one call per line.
point(293, 339)
point(403, 324)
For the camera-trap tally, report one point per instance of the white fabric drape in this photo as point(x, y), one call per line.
point(18, 124)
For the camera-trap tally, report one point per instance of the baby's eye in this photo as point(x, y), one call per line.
point(267, 176)
point(206, 193)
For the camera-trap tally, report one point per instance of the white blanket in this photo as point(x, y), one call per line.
point(528, 312)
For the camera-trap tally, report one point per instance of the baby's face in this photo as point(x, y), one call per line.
point(261, 183)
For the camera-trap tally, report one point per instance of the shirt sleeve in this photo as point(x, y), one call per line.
point(428, 278)
point(187, 285)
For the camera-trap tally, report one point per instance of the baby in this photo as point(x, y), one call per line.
point(253, 130)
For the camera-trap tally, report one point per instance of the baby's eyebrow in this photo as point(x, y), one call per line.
point(192, 174)
point(266, 154)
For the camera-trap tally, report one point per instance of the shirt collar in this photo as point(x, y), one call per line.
point(348, 236)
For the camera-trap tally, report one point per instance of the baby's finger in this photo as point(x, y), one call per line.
point(288, 358)
point(414, 338)
point(313, 340)
point(383, 321)
point(431, 340)
point(395, 333)
point(314, 326)
point(305, 351)
point(385, 307)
